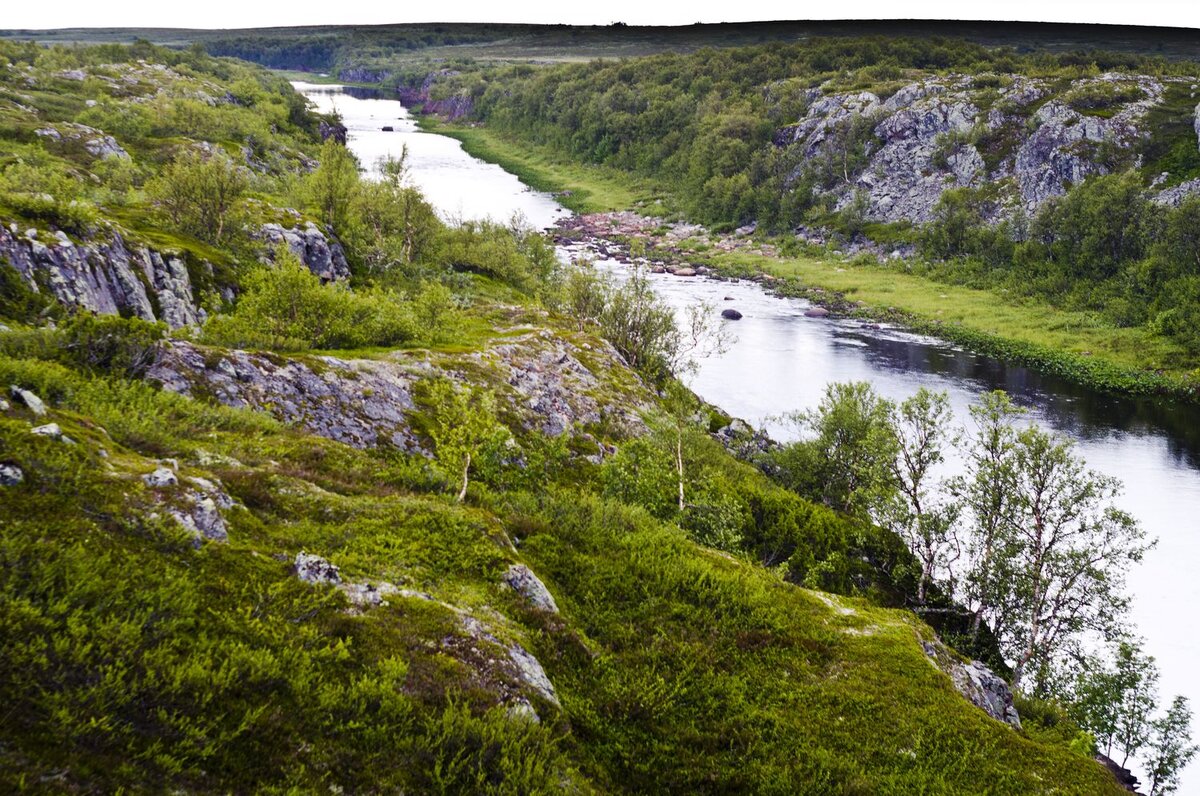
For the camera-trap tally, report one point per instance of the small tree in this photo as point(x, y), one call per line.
point(464, 426)
point(1171, 748)
point(847, 461)
point(391, 223)
point(986, 491)
point(332, 188)
point(1115, 702)
point(585, 295)
point(1071, 548)
point(640, 325)
point(198, 193)
point(916, 511)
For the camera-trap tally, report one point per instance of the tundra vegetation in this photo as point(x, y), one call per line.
point(202, 595)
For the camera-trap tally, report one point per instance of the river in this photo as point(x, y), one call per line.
point(781, 361)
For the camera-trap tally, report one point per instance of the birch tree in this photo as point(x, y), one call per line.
point(986, 493)
point(1071, 547)
point(918, 509)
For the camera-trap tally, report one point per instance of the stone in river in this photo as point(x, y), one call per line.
point(731, 314)
point(816, 312)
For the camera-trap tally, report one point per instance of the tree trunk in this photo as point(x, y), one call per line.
point(679, 465)
point(462, 493)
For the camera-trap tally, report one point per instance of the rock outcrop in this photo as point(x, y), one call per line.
point(95, 142)
point(365, 403)
point(521, 579)
point(452, 107)
point(359, 402)
point(323, 256)
point(1029, 139)
point(110, 276)
point(982, 687)
point(106, 276)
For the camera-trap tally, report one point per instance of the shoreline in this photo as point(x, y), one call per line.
point(752, 260)
point(590, 195)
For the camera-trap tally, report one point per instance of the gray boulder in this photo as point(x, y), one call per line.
point(731, 315)
point(322, 256)
point(529, 671)
point(202, 518)
point(10, 475)
point(35, 404)
point(161, 477)
point(314, 569)
point(522, 580)
point(51, 430)
point(982, 687)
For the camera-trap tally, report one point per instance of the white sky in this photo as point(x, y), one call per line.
point(263, 13)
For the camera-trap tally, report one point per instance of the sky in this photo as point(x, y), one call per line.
point(264, 13)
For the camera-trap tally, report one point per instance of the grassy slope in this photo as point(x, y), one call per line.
point(679, 669)
point(135, 660)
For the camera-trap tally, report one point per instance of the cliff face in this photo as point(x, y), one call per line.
point(456, 106)
point(109, 275)
point(1024, 139)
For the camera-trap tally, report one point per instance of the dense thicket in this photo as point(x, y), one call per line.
point(1104, 246)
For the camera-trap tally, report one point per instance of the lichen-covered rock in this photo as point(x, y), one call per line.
point(363, 403)
point(51, 430)
point(314, 569)
point(529, 670)
point(541, 376)
point(521, 579)
point(521, 664)
point(927, 139)
point(323, 256)
point(10, 475)
point(555, 391)
point(104, 276)
point(31, 401)
point(96, 142)
point(161, 477)
point(982, 687)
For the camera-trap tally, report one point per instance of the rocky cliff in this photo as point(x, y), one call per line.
point(107, 274)
point(1022, 139)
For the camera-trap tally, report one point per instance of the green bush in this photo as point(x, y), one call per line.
point(20, 302)
point(285, 307)
point(111, 344)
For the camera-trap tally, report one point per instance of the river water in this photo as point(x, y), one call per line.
point(781, 361)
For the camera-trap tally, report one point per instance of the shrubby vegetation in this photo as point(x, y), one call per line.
point(211, 667)
point(1028, 540)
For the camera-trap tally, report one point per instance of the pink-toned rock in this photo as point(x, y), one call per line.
point(685, 272)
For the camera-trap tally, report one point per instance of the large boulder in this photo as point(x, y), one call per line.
point(322, 255)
